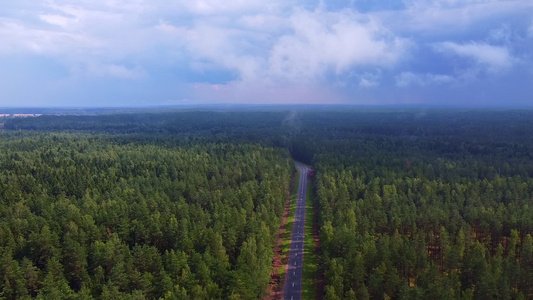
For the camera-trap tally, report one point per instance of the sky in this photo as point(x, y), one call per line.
point(114, 53)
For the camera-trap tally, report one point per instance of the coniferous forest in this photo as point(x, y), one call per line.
point(84, 217)
point(412, 204)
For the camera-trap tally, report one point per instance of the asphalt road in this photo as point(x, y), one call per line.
point(293, 281)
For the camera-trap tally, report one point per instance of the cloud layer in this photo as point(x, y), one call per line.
point(113, 52)
point(493, 58)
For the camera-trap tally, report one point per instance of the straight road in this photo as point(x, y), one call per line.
point(293, 281)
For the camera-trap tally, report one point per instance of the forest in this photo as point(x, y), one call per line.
point(413, 203)
point(83, 217)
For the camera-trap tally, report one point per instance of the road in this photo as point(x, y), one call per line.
point(293, 281)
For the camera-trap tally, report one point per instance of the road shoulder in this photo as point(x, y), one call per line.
point(276, 288)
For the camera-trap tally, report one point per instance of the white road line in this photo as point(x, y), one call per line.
point(299, 221)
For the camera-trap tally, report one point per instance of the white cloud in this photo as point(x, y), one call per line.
point(18, 37)
point(59, 20)
point(502, 34)
point(102, 33)
point(406, 79)
point(370, 79)
point(234, 35)
point(327, 41)
point(446, 3)
point(209, 7)
point(213, 46)
point(304, 47)
point(263, 22)
point(365, 82)
point(435, 17)
point(115, 70)
point(278, 47)
point(493, 58)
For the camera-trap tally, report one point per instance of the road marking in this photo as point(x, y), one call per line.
point(298, 224)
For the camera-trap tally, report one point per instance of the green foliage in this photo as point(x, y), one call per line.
point(426, 208)
point(84, 216)
point(414, 204)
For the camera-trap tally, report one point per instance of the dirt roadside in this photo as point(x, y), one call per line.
point(275, 287)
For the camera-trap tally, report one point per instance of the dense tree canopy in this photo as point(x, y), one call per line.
point(418, 208)
point(82, 217)
point(413, 204)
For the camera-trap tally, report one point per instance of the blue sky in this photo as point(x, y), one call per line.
point(158, 52)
